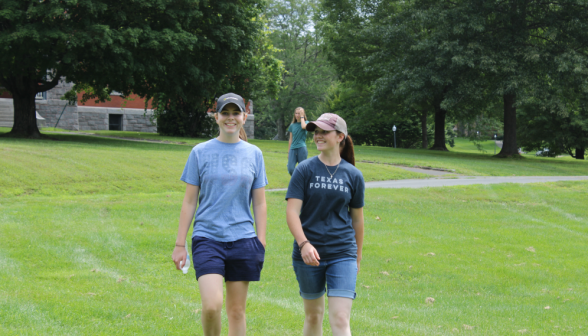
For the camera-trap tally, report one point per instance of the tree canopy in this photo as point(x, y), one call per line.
point(293, 30)
point(459, 57)
point(184, 49)
point(376, 62)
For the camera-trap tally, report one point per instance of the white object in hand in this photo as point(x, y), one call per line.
point(186, 267)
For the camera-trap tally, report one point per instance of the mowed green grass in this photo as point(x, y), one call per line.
point(464, 158)
point(82, 164)
point(497, 260)
point(91, 165)
point(87, 227)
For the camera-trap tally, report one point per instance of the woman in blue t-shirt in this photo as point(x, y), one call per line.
point(224, 177)
point(297, 151)
point(325, 216)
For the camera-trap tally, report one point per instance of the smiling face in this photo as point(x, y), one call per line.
point(297, 115)
point(327, 140)
point(230, 120)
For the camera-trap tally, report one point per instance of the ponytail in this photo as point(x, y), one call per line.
point(242, 134)
point(346, 149)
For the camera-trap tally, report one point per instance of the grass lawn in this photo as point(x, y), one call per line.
point(91, 165)
point(492, 257)
point(464, 158)
point(87, 227)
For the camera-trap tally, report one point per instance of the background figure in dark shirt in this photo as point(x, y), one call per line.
point(325, 216)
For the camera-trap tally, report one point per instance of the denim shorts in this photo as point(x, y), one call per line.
point(339, 275)
point(241, 260)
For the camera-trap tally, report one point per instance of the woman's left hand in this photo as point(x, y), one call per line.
point(262, 241)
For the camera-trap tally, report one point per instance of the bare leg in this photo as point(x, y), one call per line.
point(211, 293)
point(339, 315)
point(236, 303)
point(314, 310)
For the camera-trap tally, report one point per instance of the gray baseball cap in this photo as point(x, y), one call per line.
point(328, 122)
point(228, 98)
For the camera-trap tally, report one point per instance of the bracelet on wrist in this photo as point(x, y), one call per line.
point(302, 245)
point(180, 245)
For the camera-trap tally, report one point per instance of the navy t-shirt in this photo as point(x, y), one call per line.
point(325, 216)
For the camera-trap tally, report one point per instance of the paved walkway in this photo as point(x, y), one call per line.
point(465, 180)
point(427, 171)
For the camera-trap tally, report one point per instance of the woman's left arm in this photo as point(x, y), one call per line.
point(260, 213)
point(357, 222)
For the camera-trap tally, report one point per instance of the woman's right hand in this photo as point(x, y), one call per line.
point(179, 256)
point(310, 255)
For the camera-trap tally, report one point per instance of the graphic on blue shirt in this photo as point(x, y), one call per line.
point(226, 173)
point(324, 182)
point(326, 200)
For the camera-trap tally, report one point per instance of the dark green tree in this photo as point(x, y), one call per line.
point(308, 73)
point(186, 50)
point(540, 127)
point(393, 52)
point(259, 77)
point(512, 48)
point(459, 57)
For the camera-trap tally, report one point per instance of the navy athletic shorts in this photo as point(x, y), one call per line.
point(241, 260)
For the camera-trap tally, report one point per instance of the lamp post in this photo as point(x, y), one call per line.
point(394, 130)
point(495, 144)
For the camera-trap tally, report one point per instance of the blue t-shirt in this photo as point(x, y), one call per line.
point(298, 135)
point(325, 216)
point(226, 173)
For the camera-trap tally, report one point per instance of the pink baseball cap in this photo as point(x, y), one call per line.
point(328, 122)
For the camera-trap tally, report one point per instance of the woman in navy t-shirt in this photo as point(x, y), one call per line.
point(325, 215)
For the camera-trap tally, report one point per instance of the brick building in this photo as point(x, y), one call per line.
point(118, 114)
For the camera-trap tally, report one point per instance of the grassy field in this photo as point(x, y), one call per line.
point(91, 165)
point(492, 257)
point(87, 227)
point(464, 158)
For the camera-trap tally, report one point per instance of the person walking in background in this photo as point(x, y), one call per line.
point(297, 151)
point(325, 215)
point(224, 176)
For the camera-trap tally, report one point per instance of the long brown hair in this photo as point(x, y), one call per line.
point(242, 134)
point(346, 149)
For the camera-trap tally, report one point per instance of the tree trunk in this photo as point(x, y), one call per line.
point(580, 153)
point(509, 143)
point(25, 117)
point(281, 128)
point(440, 113)
point(424, 129)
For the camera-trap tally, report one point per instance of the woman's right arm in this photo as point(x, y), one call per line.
point(309, 253)
point(290, 142)
point(303, 121)
point(186, 215)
